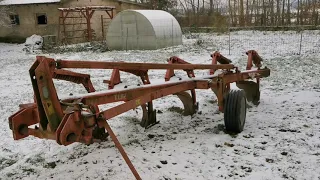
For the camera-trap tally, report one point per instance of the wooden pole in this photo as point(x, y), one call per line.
point(88, 25)
point(102, 26)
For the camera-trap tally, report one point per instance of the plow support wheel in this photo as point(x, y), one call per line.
point(251, 89)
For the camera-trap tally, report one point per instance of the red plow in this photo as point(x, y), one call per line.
point(78, 118)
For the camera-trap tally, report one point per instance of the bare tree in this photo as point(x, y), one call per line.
point(298, 13)
point(250, 12)
point(235, 19)
point(264, 13)
point(315, 5)
point(230, 12)
point(211, 8)
point(241, 13)
point(271, 9)
point(247, 14)
point(301, 13)
point(282, 15)
point(278, 12)
point(288, 13)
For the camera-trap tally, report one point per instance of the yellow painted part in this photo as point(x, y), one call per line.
point(138, 102)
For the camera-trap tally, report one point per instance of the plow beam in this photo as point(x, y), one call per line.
point(136, 66)
point(155, 94)
point(148, 113)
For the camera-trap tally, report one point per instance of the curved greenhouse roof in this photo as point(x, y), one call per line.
point(143, 29)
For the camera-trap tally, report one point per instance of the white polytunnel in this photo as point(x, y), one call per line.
point(144, 30)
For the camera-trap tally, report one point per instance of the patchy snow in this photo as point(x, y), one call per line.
point(17, 2)
point(33, 42)
point(281, 138)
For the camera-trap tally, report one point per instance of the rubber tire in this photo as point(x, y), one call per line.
point(235, 102)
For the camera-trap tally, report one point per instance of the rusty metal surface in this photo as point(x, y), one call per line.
point(49, 109)
point(77, 119)
point(135, 66)
point(74, 77)
point(120, 148)
point(112, 112)
point(48, 95)
point(20, 121)
point(253, 58)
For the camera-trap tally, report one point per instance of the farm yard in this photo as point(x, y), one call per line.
point(281, 138)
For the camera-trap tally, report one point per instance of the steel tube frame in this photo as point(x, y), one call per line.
point(136, 66)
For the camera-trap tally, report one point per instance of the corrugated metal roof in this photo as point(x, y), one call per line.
point(19, 2)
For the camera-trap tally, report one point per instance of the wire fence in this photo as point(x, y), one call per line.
point(283, 42)
point(278, 42)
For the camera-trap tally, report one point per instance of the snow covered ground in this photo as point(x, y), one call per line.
point(281, 139)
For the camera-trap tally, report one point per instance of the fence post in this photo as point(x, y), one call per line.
point(137, 32)
point(300, 42)
point(229, 41)
point(127, 40)
point(172, 32)
point(102, 26)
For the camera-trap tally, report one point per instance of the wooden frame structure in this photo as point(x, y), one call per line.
point(68, 29)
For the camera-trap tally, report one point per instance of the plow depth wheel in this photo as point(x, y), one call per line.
point(235, 108)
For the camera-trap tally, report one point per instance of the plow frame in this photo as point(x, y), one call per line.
point(77, 118)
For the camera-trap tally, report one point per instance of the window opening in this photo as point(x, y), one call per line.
point(14, 19)
point(42, 18)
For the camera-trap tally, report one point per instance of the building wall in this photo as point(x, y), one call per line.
point(96, 24)
point(28, 22)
